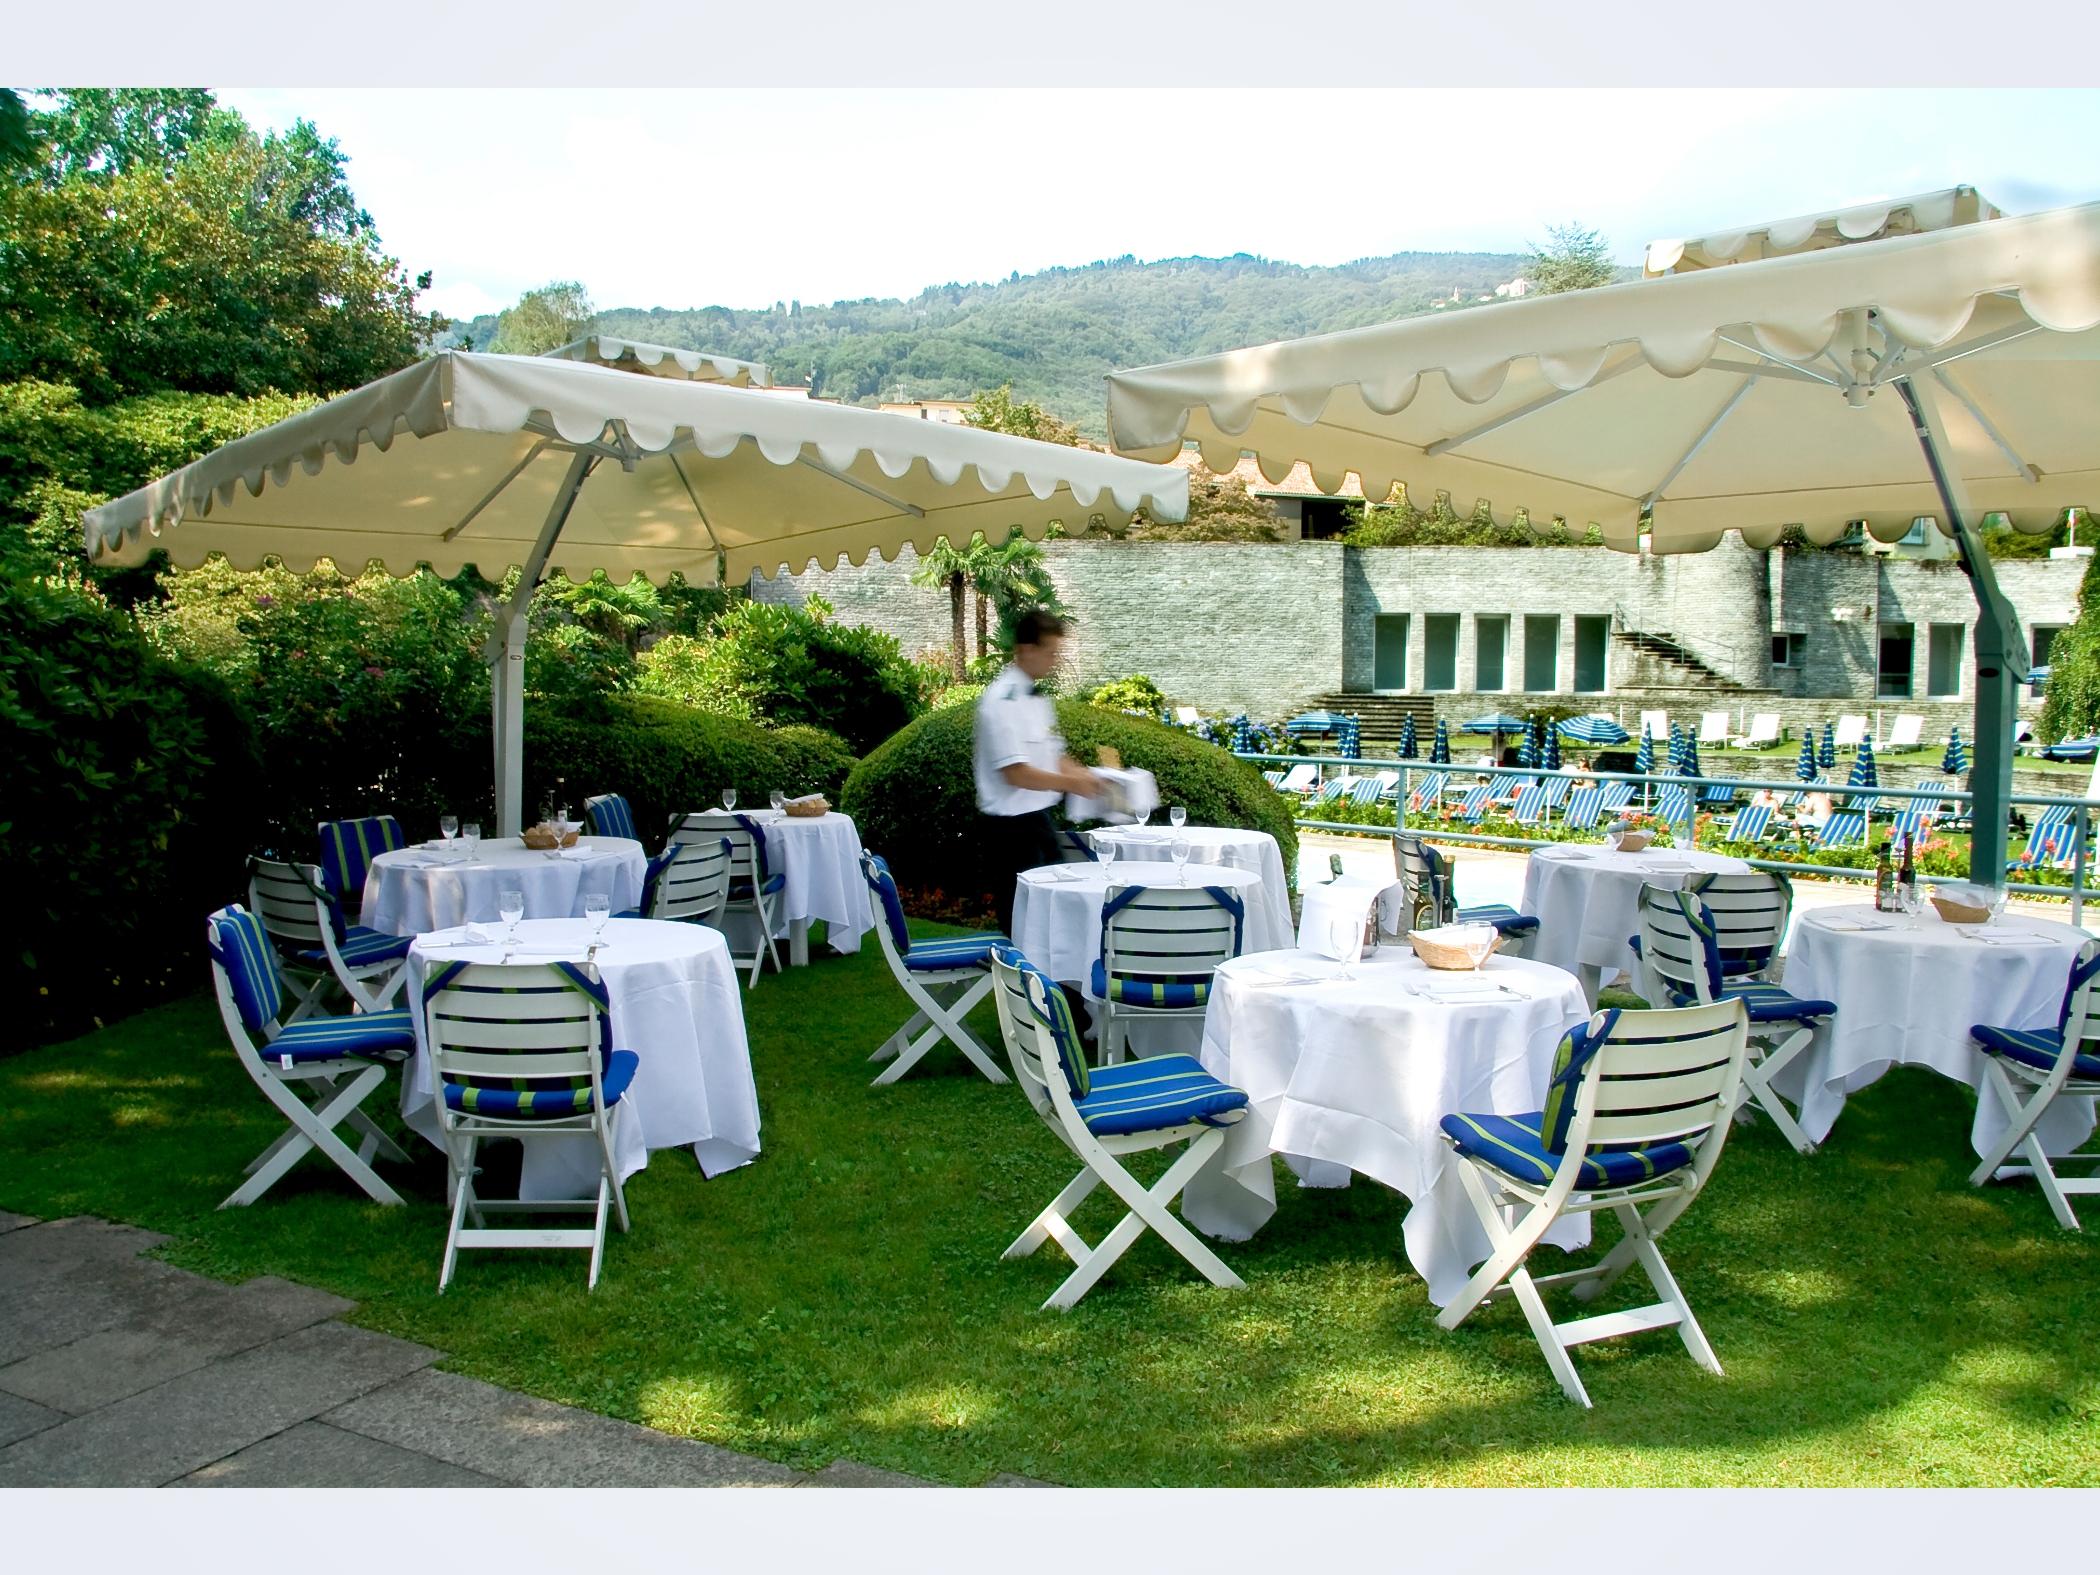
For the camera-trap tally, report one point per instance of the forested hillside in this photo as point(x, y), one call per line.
point(1054, 334)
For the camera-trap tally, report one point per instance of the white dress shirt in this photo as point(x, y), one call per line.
point(1015, 727)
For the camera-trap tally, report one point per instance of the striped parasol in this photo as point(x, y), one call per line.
point(1440, 749)
point(1827, 756)
point(1864, 775)
point(1805, 767)
point(1955, 762)
point(1528, 746)
point(1644, 757)
point(1409, 749)
point(1551, 758)
point(1593, 730)
point(1688, 761)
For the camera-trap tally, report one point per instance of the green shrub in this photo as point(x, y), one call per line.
point(1135, 693)
point(915, 797)
point(669, 759)
point(125, 793)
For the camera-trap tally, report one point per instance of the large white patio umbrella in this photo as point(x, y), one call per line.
point(1948, 373)
point(537, 463)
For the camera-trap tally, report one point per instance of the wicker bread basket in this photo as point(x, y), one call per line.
point(1632, 841)
point(1955, 911)
point(807, 809)
point(542, 837)
point(1442, 954)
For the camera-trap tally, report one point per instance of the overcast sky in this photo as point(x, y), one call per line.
point(683, 199)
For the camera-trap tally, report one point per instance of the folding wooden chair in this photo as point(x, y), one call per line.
point(1634, 1122)
point(1102, 1115)
point(348, 848)
point(1160, 945)
point(524, 1052)
point(1584, 804)
point(317, 1071)
point(1750, 823)
point(609, 815)
point(1429, 877)
point(1680, 956)
point(689, 881)
point(942, 979)
point(2030, 1070)
point(313, 939)
point(754, 885)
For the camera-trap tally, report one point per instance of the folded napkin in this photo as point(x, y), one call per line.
point(1131, 795)
point(1460, 989)
point(2010, 938)
point(1853, 926)
point(465, 935)
point(581, 852)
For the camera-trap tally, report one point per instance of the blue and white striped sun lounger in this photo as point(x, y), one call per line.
point(1273, 778)
point(1366, 790)
point(1531, 805)
point(1913, 823)
point(1846, 829)
point(1717, 793)
point(1557, 790)
point(2050, 842)
point(1583, 807)
point(1300, 778)
point(1427, 791)
point(1330, 792)
point(1617, 795)
point(1750, 823)
point(1674, 804)
point(1477, 802)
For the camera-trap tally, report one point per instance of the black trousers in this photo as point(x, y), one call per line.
point(1014, 843)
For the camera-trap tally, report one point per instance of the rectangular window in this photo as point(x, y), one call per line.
point(1915, 536)
point(1440, 655)
point(1943, 664)
point(1897, 658)
point(1490, 651)
point(1541, 653)
point(1592, 643)
point(2044, 636)
point(1789, 650)
point(1389, 652)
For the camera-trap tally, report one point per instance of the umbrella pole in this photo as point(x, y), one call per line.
point(1999, 643)
point(507, 654)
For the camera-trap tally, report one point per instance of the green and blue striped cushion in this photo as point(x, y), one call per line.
point(1501, 915)
point(361, 945)
point(1515, 1146)
point(1160, 1091)
point(374, 1035)
point(953, 954)
point(243, 950)
point(1765, 1003)
point(2035, 1047)
point(348, 848)
point(544, 1101)
point(1174, 994)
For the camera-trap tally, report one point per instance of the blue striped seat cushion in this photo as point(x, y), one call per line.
point(545, 1101)
point(1161, 1091)
point(1501, 915)
point(740, 890)
point(1513, 1145)
point(2035, 1047)
point(953, 954)
point(370, 1034)
point(1767, 1003)
point(1149, 992)
point(362, 946)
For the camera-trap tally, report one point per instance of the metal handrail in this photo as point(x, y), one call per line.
point(2077, 891)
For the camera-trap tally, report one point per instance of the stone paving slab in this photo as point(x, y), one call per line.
point(19, 1418)
point(186, 1324)
point(314, 1454)
point(1006, 1479)
point(852, 1474)
point(45, 1304)
point(540, 1444)
point(169, 1431)
point(10, 1222)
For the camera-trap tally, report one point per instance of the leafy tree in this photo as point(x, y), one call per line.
point(2071, 706)
point(998, 411)
point(1011, 579)
point(622, 613)
point(949, 569)
point(1572, 259)
point(90, 131)
point(18, 136)
point(544, 319)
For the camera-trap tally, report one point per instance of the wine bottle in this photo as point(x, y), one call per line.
point(1884, 879)
point(1907, 876)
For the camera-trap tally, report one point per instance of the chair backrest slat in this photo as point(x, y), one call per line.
point(1749, 911)
point(533, 1024)
point(1661, 1077)
point(1673, 946)
point(695, 884)
point(293, 905)
point(1169, 931)
point(747, 842)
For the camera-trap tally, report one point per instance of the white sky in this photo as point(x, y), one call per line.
point(695, 198)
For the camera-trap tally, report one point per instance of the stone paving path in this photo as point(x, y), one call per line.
point(117, 1370)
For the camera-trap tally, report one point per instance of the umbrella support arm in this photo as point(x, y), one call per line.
point(2000, 648)
point(507, 654)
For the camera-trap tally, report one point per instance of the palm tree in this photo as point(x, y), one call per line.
point(1010, 579)
point(944, 566)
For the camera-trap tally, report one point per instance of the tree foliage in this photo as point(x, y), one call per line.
point(544, 319)
point(1573, 258)
point(2071, 705)
point(996, 410)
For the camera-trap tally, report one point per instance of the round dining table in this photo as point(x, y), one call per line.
point(1350, 1068)
point(674, 1002)
point(430, 887)
point(1908, 988)
point(1234, 847)
point(818, 857)
point(1587, 899)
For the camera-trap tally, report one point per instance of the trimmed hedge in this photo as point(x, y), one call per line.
point(669, 759)
point(915, 797)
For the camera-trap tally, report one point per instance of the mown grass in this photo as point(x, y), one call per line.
point(1881, 1322)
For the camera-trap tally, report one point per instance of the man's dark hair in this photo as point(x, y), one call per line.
point(1035, 626)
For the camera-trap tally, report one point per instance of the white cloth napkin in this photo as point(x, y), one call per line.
point(1135, 795)
point(1460, 987)
point(466, 935)
point(1331, 922)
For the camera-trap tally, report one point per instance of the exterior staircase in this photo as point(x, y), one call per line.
point(1381, 715)
point(1660, 662)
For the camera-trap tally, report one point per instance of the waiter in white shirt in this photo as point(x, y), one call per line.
point(1021, 764)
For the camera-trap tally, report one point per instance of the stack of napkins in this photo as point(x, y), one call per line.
point(1331, 921)
point(1131, 796)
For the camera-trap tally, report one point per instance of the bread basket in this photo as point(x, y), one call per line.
point(807, 808)
point(1440, 949)
point(1630, 841)
point(1961, 905)
point(542, 837)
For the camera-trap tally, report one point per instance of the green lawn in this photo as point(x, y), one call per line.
point(844, 1296)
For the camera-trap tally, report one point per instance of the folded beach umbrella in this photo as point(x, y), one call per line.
point(1409, 749)
point(1955, 762)
point(1827, 757)
point(1805, 767)
point(1440, 748)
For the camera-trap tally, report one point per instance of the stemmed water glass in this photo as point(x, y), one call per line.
point(448, 828)
point(777, 798)
point(1479, 943)
point(729, 798)
point(1179, 852)
point(510, 908)
point(597, 908)
point(470, 836)
point(1178, 816)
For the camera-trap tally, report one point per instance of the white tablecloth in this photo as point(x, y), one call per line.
point(1587, 900)
point(1353, 1074)
point(820, 857)
point(675, 1004)
point(1230, 846)
point(414, 890)
point(1907, 995)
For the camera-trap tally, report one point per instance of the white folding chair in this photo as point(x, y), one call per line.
point(1656, 724)
point(1102, 1115)
point(1850, 730)
point(1681, 943)
point(1907, 732)
point(1764, 731)
point(1160, 945)
point(2030, 1070)
point(693, 882)
point(1635, 1119)
point(317, 1071)
point(944, 980)
point(754, 885)
point(1429, 877)
point(314, 940)
point(1713, 727)
point(524, 1052)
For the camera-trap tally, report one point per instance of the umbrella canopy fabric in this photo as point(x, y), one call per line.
point(1688, 761)
point(460, 459)
point(1864, 773)
point(1409, 748)
point(1812, 232)
point(1440, 748)
point(1593, 730)
point(1644, 757)
point(1493, 722)
point(1805, 766)
point(1827, 757)
point(695, 366)
point(1528, 745)
point(1955, 762)
point(1550, 756)
point(1314, 722)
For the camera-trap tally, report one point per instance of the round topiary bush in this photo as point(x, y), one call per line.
point(915, 797)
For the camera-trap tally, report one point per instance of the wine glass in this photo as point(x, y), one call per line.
point(448, 828)
point(597, 908)
point(1178, 816)
point(510, 908)
point(778, 799)
point(1479, 943)
point(470, 836)
point(729, 798)
point(1179, 852)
